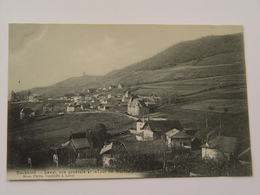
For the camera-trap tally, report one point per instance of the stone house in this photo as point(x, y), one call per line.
point(219, 148)
point(147, 130)
point(27, 113)
point(178, 139)
point(137, 107)
point(117, 149)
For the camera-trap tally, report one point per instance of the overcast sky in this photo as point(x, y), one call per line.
point(44, 54)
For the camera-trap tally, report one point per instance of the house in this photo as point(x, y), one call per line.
point(147, 130)
point(84, 106)
point(178, 139)
point(99, 89)
point(79, 141)
point(91, 90)
point(110, 87)
point(73, 107)
point(48, 109)
point(27, 113)
point(120, 86)
point(105, 107)
point(70, 108)
point(157, 99)
point(12, 96)
point(140, 133)
point(136, 107)
point(76, 98)
point(126, 97)
point(117, 149)
point(88, 98)
point(96, 95)
point(109, 96)
point(104, 101)
point(84, 152)
point(34, 98)
point(219, 148)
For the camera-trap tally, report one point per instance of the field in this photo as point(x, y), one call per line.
point(37, 137)
point(218, 105)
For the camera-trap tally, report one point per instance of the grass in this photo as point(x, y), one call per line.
point(37, 137)
point(233, 106)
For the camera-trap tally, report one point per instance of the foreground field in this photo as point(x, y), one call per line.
point(36, 138)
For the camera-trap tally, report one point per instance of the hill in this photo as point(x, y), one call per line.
point(188, 67)
point(173, 62)
point(71, 85)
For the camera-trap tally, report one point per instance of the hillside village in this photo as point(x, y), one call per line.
point(138, 127)
point(152, 133)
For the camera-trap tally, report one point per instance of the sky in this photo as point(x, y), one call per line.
point(44, 54)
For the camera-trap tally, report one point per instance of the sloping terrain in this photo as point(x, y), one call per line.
point(187, 68)
point(71, 85)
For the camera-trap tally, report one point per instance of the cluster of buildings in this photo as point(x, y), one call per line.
point(149, 137)
point(107, 99)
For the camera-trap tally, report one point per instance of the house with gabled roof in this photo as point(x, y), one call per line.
point(120, 86)
point(178, 139)
point(219, 148)
point(147, 130)
point(126, 97)
point(137, 107)
point(12, 96)
point(48, 109)
point(91, 90)
point(27, 113)
point(110, 87)
point(116, 149)
point(84, 152)
point(34, 98)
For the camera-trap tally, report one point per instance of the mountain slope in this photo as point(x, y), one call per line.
point(203, 59)
point(207, 51)
point(71, 85)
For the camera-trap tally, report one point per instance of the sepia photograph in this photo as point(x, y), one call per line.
point(102, 101)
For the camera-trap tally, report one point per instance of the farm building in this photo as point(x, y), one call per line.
point(120, 86)
point(126, 97)
point(117, 149)
point(110, 87)
point(12, 96)
point(104, 101)
point(84, 106)
point(219, 148)
point(27, 113)
point(72, 107)
point(91, 90)
point(48, 109)
point(105, 107)
point(178, 139)
point(34, 98)
point(83, 150)
point(137, 107)
point(147, 130)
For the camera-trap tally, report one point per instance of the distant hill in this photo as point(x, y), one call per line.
point(188, 67)
point(207, 51)
point(71, 85)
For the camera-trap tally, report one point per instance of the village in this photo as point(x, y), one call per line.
point(154, 142)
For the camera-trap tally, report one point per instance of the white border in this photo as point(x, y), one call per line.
point(138, 12)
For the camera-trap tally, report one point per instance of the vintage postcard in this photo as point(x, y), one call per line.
point(127, 101)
